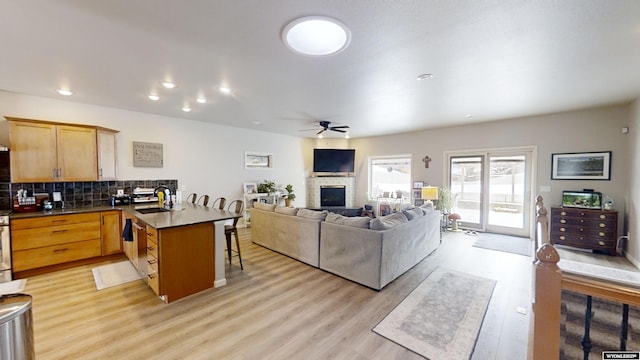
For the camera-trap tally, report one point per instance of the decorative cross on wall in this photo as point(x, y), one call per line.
point(426, 160)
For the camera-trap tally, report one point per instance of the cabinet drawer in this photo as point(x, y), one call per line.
point(54, 220)
point(58, 254)
point(153, 277)
point(55, 235)
point(593, 223)
point(152, 234)
point(152, 249)
point(581, 241)
point(609, 234)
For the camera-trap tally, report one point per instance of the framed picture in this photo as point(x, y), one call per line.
point(418, 202)
point(258, 160)
point(385, 209)
point(418, 184)
point(417, 194)
point(250, 188)
point(581, 166)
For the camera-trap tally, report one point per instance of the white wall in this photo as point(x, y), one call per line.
point(205, 158)
point(633, 203)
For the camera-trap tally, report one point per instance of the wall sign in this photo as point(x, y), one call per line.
point(147, 154)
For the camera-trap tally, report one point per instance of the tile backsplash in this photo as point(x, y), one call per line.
point(80, 194)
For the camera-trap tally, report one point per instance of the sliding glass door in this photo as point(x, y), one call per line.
point(492, 190)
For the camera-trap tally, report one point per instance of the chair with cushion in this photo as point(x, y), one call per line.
point(203, 200)
point(192, 198)
point(235, 206)
point(219, 203)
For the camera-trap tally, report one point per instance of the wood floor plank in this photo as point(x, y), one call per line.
point(276, 308)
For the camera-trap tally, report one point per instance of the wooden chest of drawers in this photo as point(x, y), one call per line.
point(586, 229)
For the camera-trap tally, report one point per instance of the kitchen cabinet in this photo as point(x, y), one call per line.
point(43, 151)
point(153, 276)
point(110, 232)
point(49, 240)
point(106, 141)
point(583, 228)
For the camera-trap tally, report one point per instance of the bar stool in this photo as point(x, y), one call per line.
point(235, 206)
point(193, 197)
point(204, 199)
point(219, 203)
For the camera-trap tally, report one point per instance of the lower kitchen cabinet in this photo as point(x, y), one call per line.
point(50, 240)
point(110, 232)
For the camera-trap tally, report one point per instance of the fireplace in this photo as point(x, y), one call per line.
point(333, 195)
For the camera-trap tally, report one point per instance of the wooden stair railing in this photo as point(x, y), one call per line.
point(548, 283)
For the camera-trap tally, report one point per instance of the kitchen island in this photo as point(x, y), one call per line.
point(178, 252)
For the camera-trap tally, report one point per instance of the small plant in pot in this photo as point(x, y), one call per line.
point(266, 187)
point(289, 196)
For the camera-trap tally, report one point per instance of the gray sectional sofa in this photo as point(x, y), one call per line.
point(371, 252)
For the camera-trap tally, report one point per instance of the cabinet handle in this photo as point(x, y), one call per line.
point(151, 276)
point(581, 214)
point(100, 171)
point(60, 172)
point(58, 231)
point(601, 234)
point(581, 238)
point(602, 216)
point(563, 229)
point(152, 261)
point(562, 237)
point(581, 221)
point(581, 230)
point(602, 225)
point(59, 221)
point(60, 250)
point(54, 173)
point(601, 243)
point(563, 213)
point(150, 248)
point(563, 221)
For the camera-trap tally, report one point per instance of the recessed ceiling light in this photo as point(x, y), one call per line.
point(469, 117)
point(425, 76)
point(201, 100)
point(224, 90)
point(346, 136)
point(168, 85)
point(65, 92)
point(316, 36)
point(154, 97)
point(319, 136)
point(186, 108)
point(256, 122)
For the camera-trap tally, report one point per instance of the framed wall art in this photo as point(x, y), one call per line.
point(258, 160)
point(581, 166)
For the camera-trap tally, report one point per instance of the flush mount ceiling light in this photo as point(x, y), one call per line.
point(186, 108)
point(424, 76)
point(201, 100)
point(316, 36)
point(168, 85)
point(64, 92)
point(154, 97)
point(225, 90)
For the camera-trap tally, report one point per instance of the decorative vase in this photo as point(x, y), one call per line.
point(287, 202)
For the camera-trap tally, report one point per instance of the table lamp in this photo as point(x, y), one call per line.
point(430, 193)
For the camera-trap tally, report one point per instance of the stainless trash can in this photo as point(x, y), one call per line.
point(16, 327)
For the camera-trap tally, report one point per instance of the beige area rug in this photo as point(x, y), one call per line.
point(442, 317)
point(107, 276)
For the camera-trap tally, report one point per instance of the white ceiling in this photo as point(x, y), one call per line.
point(490, 59)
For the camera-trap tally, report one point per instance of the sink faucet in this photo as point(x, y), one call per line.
point(168, 203)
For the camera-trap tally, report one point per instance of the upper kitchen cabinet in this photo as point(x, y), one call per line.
point(106, 154)
point(43, 151)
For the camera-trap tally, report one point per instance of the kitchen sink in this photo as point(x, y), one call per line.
point(152, 210)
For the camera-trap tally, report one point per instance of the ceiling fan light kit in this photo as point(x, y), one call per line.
point(316, 36)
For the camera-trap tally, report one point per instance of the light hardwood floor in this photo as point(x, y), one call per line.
point(277, 308)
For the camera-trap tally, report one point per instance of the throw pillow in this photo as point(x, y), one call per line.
point(413, 213)
point(427, 208)
point(312, 214)
point(286, 210)
point(388, 222)
point(263, 206)
point(355, 221)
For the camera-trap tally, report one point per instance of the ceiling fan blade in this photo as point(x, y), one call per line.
point(340, 127)
point(338, 130)
point(309, 129)
point(321, 131)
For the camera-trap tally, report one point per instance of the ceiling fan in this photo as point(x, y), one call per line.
point(326, 125)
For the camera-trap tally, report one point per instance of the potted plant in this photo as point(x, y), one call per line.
point(289, 196)
point(266, 187)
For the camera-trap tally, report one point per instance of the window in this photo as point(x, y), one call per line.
point(390, 174)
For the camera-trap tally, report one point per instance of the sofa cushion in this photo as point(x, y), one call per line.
point(354, 221)
point(263, 206)
point(312, 214)
point(286, 210)
point(413, 213)
point(389, 221)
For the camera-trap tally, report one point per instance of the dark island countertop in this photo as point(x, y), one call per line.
point(183, 214)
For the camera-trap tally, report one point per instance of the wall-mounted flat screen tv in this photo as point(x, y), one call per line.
point(333, 160)
point(582, 199)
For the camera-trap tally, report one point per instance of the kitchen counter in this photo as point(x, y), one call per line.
point(184, 214)
point(66, 211)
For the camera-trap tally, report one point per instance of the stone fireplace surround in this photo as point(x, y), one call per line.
point(314, 184)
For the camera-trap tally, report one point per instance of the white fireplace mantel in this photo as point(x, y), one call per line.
point(314, 184)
